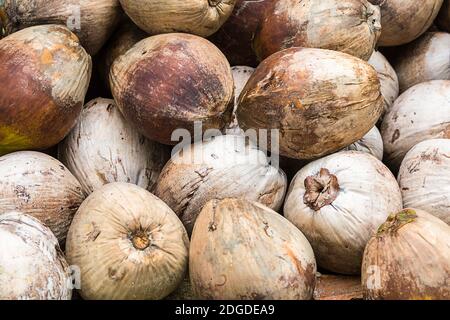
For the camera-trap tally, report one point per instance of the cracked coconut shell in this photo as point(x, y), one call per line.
point(350, 26)
point(320, 100)
point(408, 259)
point(128, 244)
point(168, 82)
point(93, 21)
point(224, 167)
point(200, 17)
point(338, 202)
point(32, 266)
point(41, 186)
point(104, 148)
point(45, 74)
point(242, 250)
point(424, 178)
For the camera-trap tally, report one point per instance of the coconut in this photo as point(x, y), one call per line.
point(404, 20)
point(128, 244)
point(371, 143)
point(93, 21)
point(420, 113)
point(168, 82)
point(200, 17)
point(320, 100)
point(338, 202)
point(32, 266)
point(45, 75)
point(241, 74)
point(408, 259)
point(41, 186)
point(235, 37)
point(388, 79)
point(424, 178)
point(443, 19)
point(124, 39)
point(104, 148)
point(337, 287)
point(426, 59)
point(223, 167)
point(243, 250)
point(350, 26)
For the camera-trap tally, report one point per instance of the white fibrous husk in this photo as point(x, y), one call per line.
point(241, 74)
point(338, 202)
point(128, 245)
point(41, 186)
point(408, 259)
point(32, 266)
point(371, 143)
point(426, 59)
point(242, 250)
point(388, 78)
point(223, 167)
point(424, 178)
point(104, 148)
point(420, 113)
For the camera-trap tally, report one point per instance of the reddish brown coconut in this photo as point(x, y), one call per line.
point(350, 26)
point(235, 37)
point(169, 81)
point(44, 76)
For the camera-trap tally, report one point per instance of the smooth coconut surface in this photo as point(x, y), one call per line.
point(200, 17)
point(350, 26)
point(41, 186)
point(408, 259)
point(169, 82)
point(32, 266)
point(371, 143)
point(338, 202)
point(301, 93)
point(45, 74)
point(243, 250)
point(128, 244)
point(104, 148)
point(420, 113)
point(424, 178)
point(93, 21)
point(224, 167)
point(405, 20)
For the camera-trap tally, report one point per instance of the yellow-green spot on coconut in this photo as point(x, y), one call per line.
point(11, 140)
point(396, 221)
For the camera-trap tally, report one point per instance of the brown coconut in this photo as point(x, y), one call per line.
point(235, 37)
point(301, 93)
point(41, 186)
point(45, 74)
point(350, 26)
point(408, 259)
point(405, 20)
point(425, 59)
point(32, 265)
point(200, 17)
point(93, 21)
point(242, 250)
point(168, 82)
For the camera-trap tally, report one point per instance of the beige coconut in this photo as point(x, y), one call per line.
point(32, 266)
point(371, 143)
point(41, 186)
point(104, 148)
point(424, 178)
point(128, 245)
point(243, 250)
point(200, 17)
point(226, 166)
point(420, 113)
point(338, 202)
point(408, 259)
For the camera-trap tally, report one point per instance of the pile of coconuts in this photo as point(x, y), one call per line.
point(224, 149)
